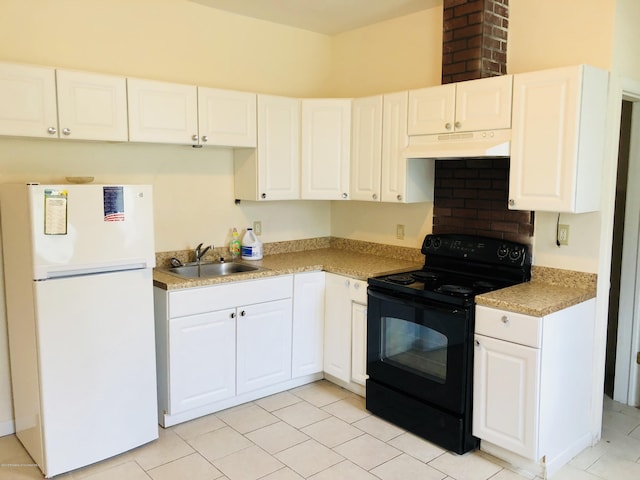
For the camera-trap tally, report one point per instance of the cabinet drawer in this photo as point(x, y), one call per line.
point(509, 326)
point(191, 301)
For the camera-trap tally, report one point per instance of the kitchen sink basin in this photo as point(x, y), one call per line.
point(208, 270)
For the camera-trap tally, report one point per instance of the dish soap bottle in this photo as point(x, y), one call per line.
point(234, 245)
point(251, 246)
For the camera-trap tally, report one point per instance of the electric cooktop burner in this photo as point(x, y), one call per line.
point(423, 276)
point(455, 290)
point(401, 279)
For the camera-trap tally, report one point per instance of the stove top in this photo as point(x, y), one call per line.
point(458, 267)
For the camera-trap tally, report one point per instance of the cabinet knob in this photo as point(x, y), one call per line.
point(399, 197)
point(447, 126)
point(457, 125)
point(512, 202)
point(356, 286)
point(205, 139)
point(375, 196)
point(66, 131)
point(504, 319)
point(264, 195)
point(52, 130)
point(477, 342)
point(243, 313)
point(347, 283)
point(233, 315)
point(194, 138)
point(345, 195)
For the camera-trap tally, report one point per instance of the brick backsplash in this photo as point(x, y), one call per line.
point(471, 197)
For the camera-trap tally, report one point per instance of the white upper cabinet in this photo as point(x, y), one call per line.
point(162, 112)
point(28, 101)
point(558, 134)
point(226, 117)
point(92, 106)
point(483, 104)
point(366, 148)
point(404, 180)
point(326, 134)
point(272, 170)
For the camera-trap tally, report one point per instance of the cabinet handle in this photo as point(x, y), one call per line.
point(457, 125)
point(264, 195)
point(447, 126)
point(505, 319)
point(205, 139)
point(477, 342)
point(345, 195)
point(66, 131)
point(233, 315)
point(347, 283)
point(399, 197)
point(512, 202)
point(356, 286)
point(243, 313)
point(375, 196)
point(194, 138)
point(52, 130)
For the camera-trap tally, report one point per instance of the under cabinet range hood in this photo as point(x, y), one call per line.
point(487, 143)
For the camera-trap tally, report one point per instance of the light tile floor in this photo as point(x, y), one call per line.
point(322, 432)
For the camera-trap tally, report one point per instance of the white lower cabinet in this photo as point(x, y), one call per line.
point(345, 331)
point(264, 345)
point(207, 373)
point(308, 323)
point(532, 385)
point(222, 345)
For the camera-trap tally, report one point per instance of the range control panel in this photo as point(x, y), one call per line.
point(477, 249)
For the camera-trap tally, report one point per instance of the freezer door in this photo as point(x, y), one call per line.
point(96, 343)
point(80, 229)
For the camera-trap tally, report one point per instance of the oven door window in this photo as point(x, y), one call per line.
point(415, 348)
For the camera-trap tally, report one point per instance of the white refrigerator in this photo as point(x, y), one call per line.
point(78, 263)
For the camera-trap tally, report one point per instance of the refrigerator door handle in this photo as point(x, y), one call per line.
point(52, 272)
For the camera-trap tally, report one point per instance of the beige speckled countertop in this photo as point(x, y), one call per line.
point(550, 290)
point(344, 262)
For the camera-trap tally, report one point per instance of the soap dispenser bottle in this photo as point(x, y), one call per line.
point(234, 245)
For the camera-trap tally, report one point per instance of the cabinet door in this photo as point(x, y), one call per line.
point(483, 104)
point(162, 112)
point(264, 345)
point(506, 390)
point(431, 110)
point(202, 359)
point(337, 327)
point(226, 117)
point(28, 99)
point(366, 148)
point(557, 145)
point(358, 342)
point(326, 133)
point(308, 323)
point(278, 148)
point(92, 106)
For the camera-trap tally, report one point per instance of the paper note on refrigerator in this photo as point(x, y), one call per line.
point(55, 212)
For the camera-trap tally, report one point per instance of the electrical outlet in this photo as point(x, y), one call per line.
point(400, 231)
point(257, 227)
point(563, 234)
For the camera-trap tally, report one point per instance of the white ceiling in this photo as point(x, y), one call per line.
point(329, 17)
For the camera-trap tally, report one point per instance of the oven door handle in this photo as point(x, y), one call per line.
point(405, 301)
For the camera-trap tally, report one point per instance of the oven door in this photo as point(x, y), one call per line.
point(420, 348)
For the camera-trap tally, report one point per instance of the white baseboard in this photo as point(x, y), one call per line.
point(7, 427)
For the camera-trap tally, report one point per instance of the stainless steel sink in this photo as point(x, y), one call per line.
point(208, 270)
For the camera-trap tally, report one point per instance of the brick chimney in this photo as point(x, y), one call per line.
point(474, 39)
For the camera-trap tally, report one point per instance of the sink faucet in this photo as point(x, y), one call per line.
point(200, 253)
